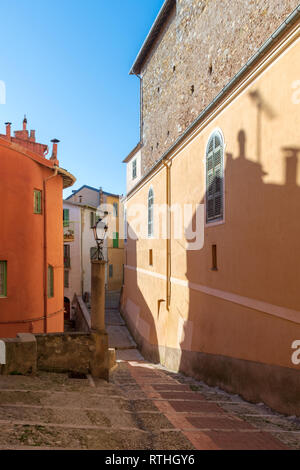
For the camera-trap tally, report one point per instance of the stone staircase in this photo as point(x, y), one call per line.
point(119, 337)
point(143, 406)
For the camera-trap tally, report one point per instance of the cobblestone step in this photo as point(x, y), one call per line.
point(144, 406)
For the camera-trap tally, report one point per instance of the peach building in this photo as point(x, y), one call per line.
point(31, 254)
point(225, 310)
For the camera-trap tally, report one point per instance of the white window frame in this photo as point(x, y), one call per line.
point(150, 232)
point(134, 167)
point(213, 223)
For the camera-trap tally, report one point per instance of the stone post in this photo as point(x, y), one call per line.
point(98, 295)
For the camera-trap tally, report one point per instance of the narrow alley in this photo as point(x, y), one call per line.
point(143, 407)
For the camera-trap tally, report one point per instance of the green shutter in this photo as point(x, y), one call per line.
point(50, 282)
point(37, 201)
point(116, 240)
point(66, 217)
point(3, 278)
point(214, 180)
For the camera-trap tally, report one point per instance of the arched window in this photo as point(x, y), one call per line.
point(150, 212)
point(214, 178)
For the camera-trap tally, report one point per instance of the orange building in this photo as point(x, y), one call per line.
point(31, 249)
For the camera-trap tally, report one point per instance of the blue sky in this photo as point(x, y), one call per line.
point(65, 64)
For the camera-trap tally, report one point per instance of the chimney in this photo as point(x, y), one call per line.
point(24, 123)
point(54, 151)
point(32, 136)
point(8, 130)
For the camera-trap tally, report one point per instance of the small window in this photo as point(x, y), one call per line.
point(50, 282)
point(66, 278)
point(214, 258)
point(116, 240)
point(93, 219)
point(150, 257)
point(134, 169)
point(111, 270)
point(214, 178)
point(115, 209)
point(3, 278)
point(37, 201)
point(66, 213)
point(150, 212)
point(67, 256)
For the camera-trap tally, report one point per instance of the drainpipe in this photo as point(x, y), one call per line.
point(168, 241)
point(45, 247)
point(82, 214)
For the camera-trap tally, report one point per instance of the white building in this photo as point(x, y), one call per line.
point(80, 215)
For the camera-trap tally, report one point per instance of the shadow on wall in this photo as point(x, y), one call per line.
point(255, 254)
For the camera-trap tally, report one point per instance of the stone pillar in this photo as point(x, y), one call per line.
point(98, 295)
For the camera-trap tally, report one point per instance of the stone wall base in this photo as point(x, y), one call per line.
point(85, 353)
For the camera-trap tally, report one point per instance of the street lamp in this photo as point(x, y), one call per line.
point(100, 229)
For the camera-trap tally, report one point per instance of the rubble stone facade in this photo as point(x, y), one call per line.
point(201, 46)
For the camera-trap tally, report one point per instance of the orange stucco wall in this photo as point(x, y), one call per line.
point(22, 243)
point(250, 307)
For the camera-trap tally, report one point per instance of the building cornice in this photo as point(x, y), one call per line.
point(68, 178)
point(132, 153)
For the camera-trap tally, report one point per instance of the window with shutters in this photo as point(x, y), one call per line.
point(66, 213)
point(134, 169)
point(214, 178)
point(67, 256)
point(50, 282)
point(93, 219)
point(116, 240)
point(37, 201)
point(3, 278)
point(115, 209)
point(66, 278)
point(150, 212)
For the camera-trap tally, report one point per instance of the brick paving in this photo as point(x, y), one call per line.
point(199, 412)
point(143, 407)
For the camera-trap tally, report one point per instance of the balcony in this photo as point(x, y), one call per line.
point(69, 232)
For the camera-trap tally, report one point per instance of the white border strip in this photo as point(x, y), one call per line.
point(270, 309)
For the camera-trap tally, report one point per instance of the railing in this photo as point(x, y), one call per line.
point(81, 315)
point(69, 231)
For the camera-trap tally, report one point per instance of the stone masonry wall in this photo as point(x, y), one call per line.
point(203, 45)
